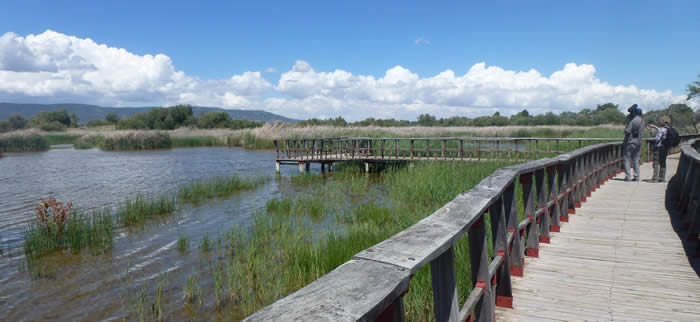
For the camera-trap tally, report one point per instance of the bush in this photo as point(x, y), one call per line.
point(56, 120)
point(17, 121)
point(5, 126)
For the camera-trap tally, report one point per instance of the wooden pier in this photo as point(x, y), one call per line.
point(589, 247)
point(304, 152)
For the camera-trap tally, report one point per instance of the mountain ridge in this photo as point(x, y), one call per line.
point(87, 112)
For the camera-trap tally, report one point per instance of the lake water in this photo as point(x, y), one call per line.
point(88, 287)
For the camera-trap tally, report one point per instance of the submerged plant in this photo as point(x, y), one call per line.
point(183, 244)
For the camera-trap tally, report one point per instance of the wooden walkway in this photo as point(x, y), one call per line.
point(618, 258)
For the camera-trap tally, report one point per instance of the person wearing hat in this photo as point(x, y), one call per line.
point(632, 144)
point(660, 151)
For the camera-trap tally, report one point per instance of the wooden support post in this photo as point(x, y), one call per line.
point(499, 233)
point(383, 143)
point(302, 167)
point(411, 149)
point(444, 277)
point(478, 257)
point(542, 199)
point(427, 149)
point(394, 313)
point(286, 142)
point(478, 150)
point(533, 230)
point(553, 181)
point(563, 175)
point(516, 252)
point(461, 149)
point(277, 166)
point(323, 167)
point(398, 148)
point(366, 167)
point(277, 151)
point(443, 149)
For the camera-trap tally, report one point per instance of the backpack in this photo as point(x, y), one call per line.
point(672, 138)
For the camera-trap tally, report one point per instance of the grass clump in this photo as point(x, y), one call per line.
point(199, 190)
point(139, 140)
point(136, 210)
point(60, 227)
point(206, 245)
point(196, 141)
point(23, 142)
point(183, 244)
point(303, 206)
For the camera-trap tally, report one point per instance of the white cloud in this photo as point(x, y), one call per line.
point(421, 41)
point(53, 67)
point(270, 70)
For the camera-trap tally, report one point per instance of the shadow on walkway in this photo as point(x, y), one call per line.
point(690, 247)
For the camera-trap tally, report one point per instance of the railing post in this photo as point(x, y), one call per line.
point(427, 148)
point(478, 256)
point(444, 277)
point(543, 220)
point(461, 149)
point(510, 209)
point(553, 185)
point(443, 149)
point(564, 183)
point(411, 149)
point(533, 229)
point(398, 148)
point(383, 143)
point(692, 215)
point(499, 233)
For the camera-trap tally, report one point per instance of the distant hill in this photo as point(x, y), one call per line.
point(87, 113)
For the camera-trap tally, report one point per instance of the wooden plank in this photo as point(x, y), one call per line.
point(356, 290)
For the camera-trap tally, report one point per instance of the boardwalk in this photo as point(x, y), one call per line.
point(618, 258)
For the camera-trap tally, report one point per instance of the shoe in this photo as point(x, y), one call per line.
point(653, 180)
point(627, 179)
point(635, 179)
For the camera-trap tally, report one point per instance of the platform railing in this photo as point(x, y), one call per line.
point(372, 284)
point(686, 185)
point(444, 148)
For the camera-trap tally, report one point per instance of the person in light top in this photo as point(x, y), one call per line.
point(660, 151)
point(633, 141)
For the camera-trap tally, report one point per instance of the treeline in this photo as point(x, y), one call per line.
point(156, 119)
point(57, 120)
point(178, 116)
point(609, 113)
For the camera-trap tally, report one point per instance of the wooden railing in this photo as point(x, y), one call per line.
point(648, 150)
point(686, 185)
point(371, 285)
point(428, 148)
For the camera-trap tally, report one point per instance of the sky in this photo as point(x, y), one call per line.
point(356, 59)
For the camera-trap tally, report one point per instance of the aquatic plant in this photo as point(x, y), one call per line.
point(137, 209)
point(217, 187)
point(192, 290)
point(206, 245)
point(183, 244)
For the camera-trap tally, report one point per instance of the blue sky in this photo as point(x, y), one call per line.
point(650, 45)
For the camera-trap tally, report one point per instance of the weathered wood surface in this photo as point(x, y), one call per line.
point(618, 258)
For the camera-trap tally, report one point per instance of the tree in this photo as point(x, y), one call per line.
point(694, 89)
point(17, 121)
point(112, 118)
point(74, 120)
point(426, 120)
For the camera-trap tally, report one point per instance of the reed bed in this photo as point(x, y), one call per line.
point(23, 141)
point(136, 140)
point(140, 208)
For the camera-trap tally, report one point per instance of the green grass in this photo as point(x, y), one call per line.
point(92, 230)
point(206, 245)
point(88, 142)
point(23, 143)
point(183, 244)
point(53, 138)
point(196, 141)
point(136, 210)
point(204, 189)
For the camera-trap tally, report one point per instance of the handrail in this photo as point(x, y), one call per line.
point(453, 148)
point(686, 184)
point(371, 285)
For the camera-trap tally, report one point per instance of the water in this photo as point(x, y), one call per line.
point(88, 287)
